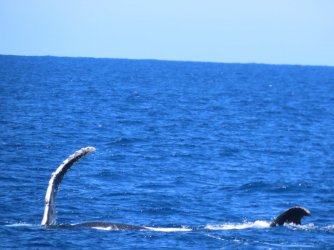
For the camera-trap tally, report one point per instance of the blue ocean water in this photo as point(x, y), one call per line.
point(206, 153)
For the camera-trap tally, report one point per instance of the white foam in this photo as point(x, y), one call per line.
point(105, 228)
point(155, 229)
point(304, 227)
point(239, 226)
point(169, 229)
point(21, 225)
point(330, 227)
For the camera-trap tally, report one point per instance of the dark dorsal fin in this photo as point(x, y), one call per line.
point(55, 180)
point(292, 215)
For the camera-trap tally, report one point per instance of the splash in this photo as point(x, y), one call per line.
point(239, 226)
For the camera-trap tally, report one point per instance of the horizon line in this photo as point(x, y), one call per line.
point(173, 60)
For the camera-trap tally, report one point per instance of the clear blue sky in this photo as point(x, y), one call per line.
point(261, 31)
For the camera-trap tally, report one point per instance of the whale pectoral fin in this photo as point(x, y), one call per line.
point(55, 180)
point(292, 215)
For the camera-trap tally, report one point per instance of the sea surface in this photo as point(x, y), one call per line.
point(205, 154)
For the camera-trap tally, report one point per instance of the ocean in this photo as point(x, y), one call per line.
point(206, 154)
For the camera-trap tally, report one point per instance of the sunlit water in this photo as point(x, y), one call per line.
point(203, 155)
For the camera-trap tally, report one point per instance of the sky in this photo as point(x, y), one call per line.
point(239, 31)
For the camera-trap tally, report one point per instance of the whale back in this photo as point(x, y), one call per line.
point(55, 180)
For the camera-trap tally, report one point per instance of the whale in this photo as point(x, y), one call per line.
point(49, 216)
point(292, 215)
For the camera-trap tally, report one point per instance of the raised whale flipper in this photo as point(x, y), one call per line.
point(292, 215)
point(56, 178)
point(50, 197)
